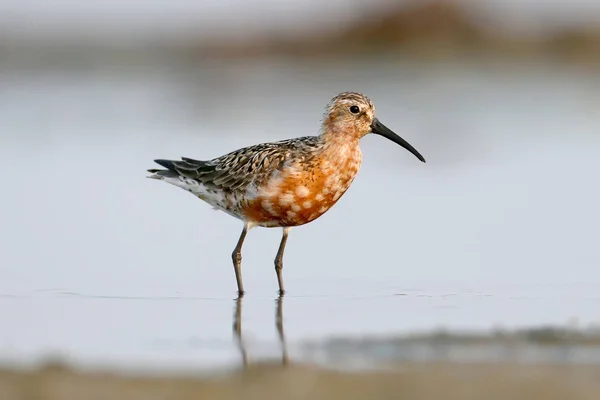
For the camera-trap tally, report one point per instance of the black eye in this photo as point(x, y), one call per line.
point(354, 109)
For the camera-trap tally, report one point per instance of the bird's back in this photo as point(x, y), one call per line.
point(235, 180)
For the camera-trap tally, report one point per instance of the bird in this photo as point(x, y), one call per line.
point(286, 183)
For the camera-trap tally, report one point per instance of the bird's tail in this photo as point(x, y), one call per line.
point(161, 174)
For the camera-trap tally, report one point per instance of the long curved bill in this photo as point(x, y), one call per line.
point(380, 129)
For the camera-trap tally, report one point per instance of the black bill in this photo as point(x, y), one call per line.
point(380, 129)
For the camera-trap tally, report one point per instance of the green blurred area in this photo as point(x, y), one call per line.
point(431, 29)
point(434, 30)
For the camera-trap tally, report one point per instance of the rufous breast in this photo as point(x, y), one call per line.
point(302, 192)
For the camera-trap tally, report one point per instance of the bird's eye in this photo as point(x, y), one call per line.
point(354, 109)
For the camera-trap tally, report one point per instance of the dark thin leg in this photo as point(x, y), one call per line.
point(279, 259)
point(236, 256)
point(237, 329)
point(279, 323)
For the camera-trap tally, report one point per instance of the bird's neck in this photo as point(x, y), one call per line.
point(340, 146)
point(334, 135)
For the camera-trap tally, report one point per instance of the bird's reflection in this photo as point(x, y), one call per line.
point(279, 324)
point(237, 329)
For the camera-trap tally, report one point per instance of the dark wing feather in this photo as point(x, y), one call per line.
point(244, 166)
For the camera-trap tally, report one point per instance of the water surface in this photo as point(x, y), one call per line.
point(499, 228)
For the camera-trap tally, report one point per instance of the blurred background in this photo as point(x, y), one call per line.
point(499, 230)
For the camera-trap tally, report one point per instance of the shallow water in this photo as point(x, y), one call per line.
point(99, 264)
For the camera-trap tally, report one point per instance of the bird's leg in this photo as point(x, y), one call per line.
point(279, 259)
point(236, 256)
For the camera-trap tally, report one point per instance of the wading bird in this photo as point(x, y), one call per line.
point(287, 183)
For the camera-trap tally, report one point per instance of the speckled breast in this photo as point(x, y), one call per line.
point(303, 192)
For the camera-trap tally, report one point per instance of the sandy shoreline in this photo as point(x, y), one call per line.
point(405, 381)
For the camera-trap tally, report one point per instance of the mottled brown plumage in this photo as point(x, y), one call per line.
point(286, 183)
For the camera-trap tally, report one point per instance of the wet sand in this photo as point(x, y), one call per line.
point(266, 381)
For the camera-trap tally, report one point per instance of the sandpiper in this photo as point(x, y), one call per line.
point(286, 183)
